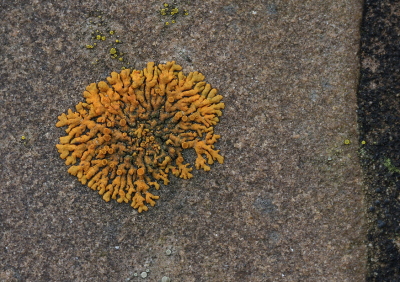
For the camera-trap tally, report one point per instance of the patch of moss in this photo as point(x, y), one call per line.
point(388, 164)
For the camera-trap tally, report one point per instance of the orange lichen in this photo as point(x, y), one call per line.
point(132, 134)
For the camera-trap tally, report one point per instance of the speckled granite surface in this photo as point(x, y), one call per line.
point(285, 206)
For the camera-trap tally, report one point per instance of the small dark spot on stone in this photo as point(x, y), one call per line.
point(230, 9)
point(377, 202)
point(265, 205)
point(371, 209)
point(378, 190)
point(188, 59)
point(272, 8)
point(274, 237)
point(381, 224)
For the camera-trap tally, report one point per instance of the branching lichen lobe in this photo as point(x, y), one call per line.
point(132, 134)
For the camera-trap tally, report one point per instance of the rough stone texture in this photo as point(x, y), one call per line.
point(378, 118)
point(285, 205)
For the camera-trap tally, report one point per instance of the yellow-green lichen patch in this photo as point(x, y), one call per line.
point(388, 164)
point(131, 132)
point(103, 39)
point(170, 13)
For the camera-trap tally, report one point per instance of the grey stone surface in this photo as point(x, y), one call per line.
point(285, 205)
